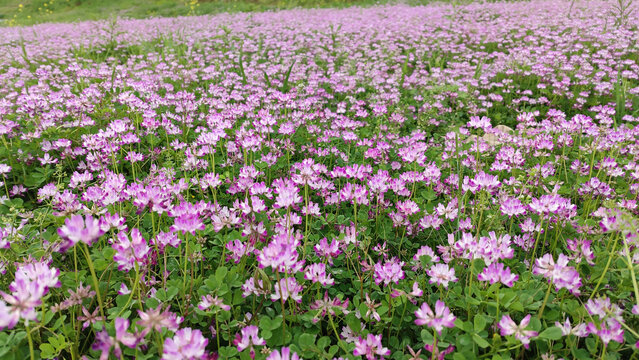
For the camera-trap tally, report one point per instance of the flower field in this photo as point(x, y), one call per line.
point(430, 182)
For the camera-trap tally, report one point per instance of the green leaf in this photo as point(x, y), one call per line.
point(333, 350)
point(323, 342)
point(516, 306)
point(353, 322)
point(265, 323)
point(480, 341)
point(429, 194)
point(479, 322)
point(551, 333)
point(220, 274)
point(47, 351)
point(307, 341)
point(459, 356)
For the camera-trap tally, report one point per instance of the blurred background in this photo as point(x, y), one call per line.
point(27, 12)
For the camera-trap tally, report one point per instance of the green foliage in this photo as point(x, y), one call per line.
point(39, 11)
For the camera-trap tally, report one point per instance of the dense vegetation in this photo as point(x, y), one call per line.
point(28, 12)
point(386, 182)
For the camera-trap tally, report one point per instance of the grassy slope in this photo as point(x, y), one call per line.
point(36, 11)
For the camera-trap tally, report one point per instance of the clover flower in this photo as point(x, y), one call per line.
point(441, 318)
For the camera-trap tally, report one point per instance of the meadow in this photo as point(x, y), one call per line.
point(445, 181)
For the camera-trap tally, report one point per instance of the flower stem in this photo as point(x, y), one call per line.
point(339, 339)
point(543, 305)
point(603, 274)
point(631, 266)
point(432, 356)
point(95, 279)
point(31, 353)
point(279, 283)
point(497, 300)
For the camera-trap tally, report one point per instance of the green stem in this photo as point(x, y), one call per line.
point(497, 300)
point(96, 284)
point(432, 356)
point(543, 305)
point(614, 247)
point(632, 271)
point(31, 352)
point(186, 257)
point(133, 290)
point(339, 339)
point(279, 283)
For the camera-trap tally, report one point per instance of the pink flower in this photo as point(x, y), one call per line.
point(76, 229)
point(442, 317)
point(559, 273)
point(566, 329)
point(188, 223)
point(426, 251)
point(328, 305)
point(439, 355)
point(512, 207)
point(441, 274)
point(283, 354)
point(89, 318)
point(280, 254)
point(129, 252)
point(287, 193)
point(508, 327)
point(390, 271)
point(248, 339)
point(326, 250)
point(607, 331)
point(370, 347)
point(496, 272)
point(317, 273)
point(186, 344)
point(209, 301)
point(287, 288)
point(157, 319)
point(479, 123)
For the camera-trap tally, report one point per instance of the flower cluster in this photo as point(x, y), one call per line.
point(450, 180)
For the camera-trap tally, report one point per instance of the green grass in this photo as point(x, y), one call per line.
point(39, 11)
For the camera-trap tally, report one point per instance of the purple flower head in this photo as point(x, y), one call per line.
point(567, 329)
point(512, 207)
point(508, 327)
point(157, 319)
point(328, 305)
point(76, 229)
point(441, 274)
point(370, 347)
point(89, 318)
point(164, 239)
point(317, 273)
point(287, 288)
point(32, 282)
point(607, 331)
point(186, 344)
point(209, 301)
point(439, 355)
point(441, 318)
point(328, 251)
point(559, 273)
point(283, 354)
point(129, 252)
point(248, 339)
point(389, 271)
point(280, 253)
point(496, 272)
point(188, 223)
point(287, 193)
